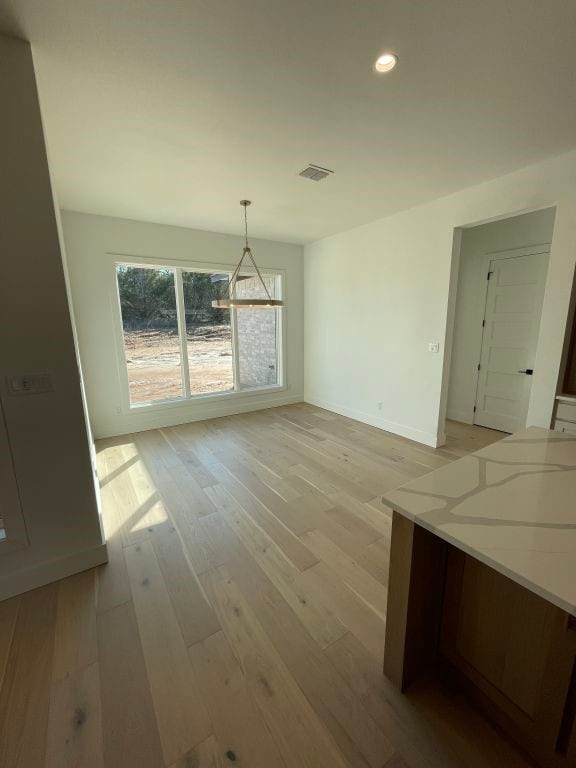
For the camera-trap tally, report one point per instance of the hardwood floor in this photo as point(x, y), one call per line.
point(240, 619)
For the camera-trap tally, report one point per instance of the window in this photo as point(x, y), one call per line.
point(177, 346)
point(151, 342)
point(208, 334)
point(257, 335)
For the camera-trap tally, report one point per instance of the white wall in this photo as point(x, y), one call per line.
point(94, 244)
point(531, 229)
point(376, 295)
point(47, 433)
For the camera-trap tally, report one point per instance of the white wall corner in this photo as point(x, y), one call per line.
point(440, 440)
point(419, 436)
point(16, 582)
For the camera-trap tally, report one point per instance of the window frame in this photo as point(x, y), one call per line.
point(180, 266)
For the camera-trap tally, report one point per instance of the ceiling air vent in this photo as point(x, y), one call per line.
point(315, 172)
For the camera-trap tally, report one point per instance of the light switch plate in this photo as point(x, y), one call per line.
point(29, 384)
point(434, 346)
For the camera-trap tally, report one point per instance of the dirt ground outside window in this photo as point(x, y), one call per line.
point(153, 362)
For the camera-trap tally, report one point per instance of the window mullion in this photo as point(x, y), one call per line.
point(235, 357)
point(181, 315)
point(279, 294)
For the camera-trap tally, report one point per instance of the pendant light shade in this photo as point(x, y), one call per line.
point(231, 300)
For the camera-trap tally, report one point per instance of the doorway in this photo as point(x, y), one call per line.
point(500, 290)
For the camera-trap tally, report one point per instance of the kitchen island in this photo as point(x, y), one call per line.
point(483, 583)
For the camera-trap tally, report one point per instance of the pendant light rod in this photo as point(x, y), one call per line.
point(232, 301)
point(246, 203)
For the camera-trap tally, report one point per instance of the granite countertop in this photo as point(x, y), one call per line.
point(511, 505)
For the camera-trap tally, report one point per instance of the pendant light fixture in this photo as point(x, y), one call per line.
point(255, 303)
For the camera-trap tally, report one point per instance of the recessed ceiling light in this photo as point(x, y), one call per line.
point(386, 62)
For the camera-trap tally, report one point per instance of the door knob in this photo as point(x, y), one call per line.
point(527, 371)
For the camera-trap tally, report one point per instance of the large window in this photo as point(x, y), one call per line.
point(177, 346)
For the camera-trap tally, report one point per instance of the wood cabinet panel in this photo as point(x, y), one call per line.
point(519, 653)
point(504, 631)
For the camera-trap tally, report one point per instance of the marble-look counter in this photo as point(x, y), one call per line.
point(511, 505)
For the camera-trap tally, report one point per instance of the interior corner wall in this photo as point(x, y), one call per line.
point(93, 246)
point(531, 229)
point(377, 295)
point(47, 432)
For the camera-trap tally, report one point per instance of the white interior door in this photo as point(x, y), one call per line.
point(511, 322)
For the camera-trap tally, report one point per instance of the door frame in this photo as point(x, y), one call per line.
point(525, 250)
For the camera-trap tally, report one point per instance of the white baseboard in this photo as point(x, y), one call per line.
point(125, 424)
point(45, 573)
point(419, 436)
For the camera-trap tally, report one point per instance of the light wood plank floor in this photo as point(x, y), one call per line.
point(240, 620)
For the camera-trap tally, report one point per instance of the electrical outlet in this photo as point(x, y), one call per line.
point(434, 346)
point(379, 405)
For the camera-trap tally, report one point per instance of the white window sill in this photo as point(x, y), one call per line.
point(209, 397)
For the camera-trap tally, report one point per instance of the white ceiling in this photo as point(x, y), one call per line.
point(173, 110)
